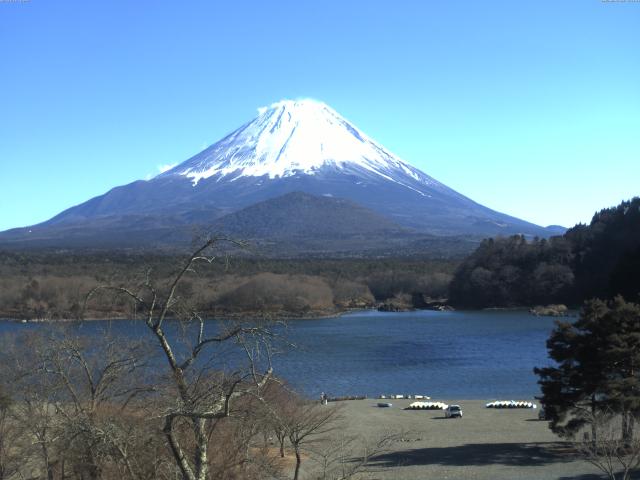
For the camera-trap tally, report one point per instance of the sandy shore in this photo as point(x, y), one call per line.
point(485, 444)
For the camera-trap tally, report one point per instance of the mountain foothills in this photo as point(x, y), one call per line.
point(298, 172)
point(597, 260)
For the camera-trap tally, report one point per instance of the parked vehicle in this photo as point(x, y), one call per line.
point(453, 411)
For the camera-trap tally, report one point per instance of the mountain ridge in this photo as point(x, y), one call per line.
point(291, 146)
point(298, 214)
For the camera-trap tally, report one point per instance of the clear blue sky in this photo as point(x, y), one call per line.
point(531, 108)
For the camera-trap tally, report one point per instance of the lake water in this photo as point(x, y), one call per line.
point(462, 355)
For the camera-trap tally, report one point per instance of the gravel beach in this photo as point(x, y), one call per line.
point(485, 444)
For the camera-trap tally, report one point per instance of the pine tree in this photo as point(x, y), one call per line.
point(597, 367)
point(622, 323)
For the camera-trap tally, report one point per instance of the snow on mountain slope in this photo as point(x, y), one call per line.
point(298, 146)
point(294, 137)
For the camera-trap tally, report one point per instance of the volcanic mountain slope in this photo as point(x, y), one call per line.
point(297, 222)
point(292, 146)
point(300, 215)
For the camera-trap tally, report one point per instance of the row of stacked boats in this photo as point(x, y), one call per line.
point(427, 406)
point(510, 404)
point(405, 396)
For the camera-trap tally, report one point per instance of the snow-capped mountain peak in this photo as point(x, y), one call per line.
point(293, 137)
point(296, 158)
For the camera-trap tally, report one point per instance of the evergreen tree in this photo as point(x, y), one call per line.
point(597, 367)
point(622, 357)
point(601, 259)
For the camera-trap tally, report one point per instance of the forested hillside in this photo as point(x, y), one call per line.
point(601, 259)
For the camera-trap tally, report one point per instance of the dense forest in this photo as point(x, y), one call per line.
point(601, 259)
point(53, 285)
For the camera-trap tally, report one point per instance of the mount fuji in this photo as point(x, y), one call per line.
point(300, 146)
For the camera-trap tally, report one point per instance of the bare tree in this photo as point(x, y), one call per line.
point(89, 407)
point(99, 380)
point(612, 451)
point(33, 396)
point(245, 455)
point(74, 404)
point(10, 458)
point(278, 403)
point(202, 387)
point(306, 423)
point(347, 457)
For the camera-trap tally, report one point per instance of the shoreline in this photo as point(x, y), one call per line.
point(225, 316)
point(283, 316)
point(402, 403)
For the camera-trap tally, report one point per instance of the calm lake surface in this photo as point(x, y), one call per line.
point(461, 355)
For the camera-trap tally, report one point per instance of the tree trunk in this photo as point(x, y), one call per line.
point(202, 444)
point(298, 462)
point(47, 463)
point(93, 471)
point(176, 450)
point(594, 427)
point(625, 427)
point(281, 448)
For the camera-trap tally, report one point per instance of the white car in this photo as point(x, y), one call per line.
point(453, 411)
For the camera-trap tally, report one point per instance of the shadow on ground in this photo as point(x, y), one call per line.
point(516, 454)
point(587, 476)
point(634, 476)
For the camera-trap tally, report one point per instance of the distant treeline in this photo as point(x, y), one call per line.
point(601, 259)
point(53, 285)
